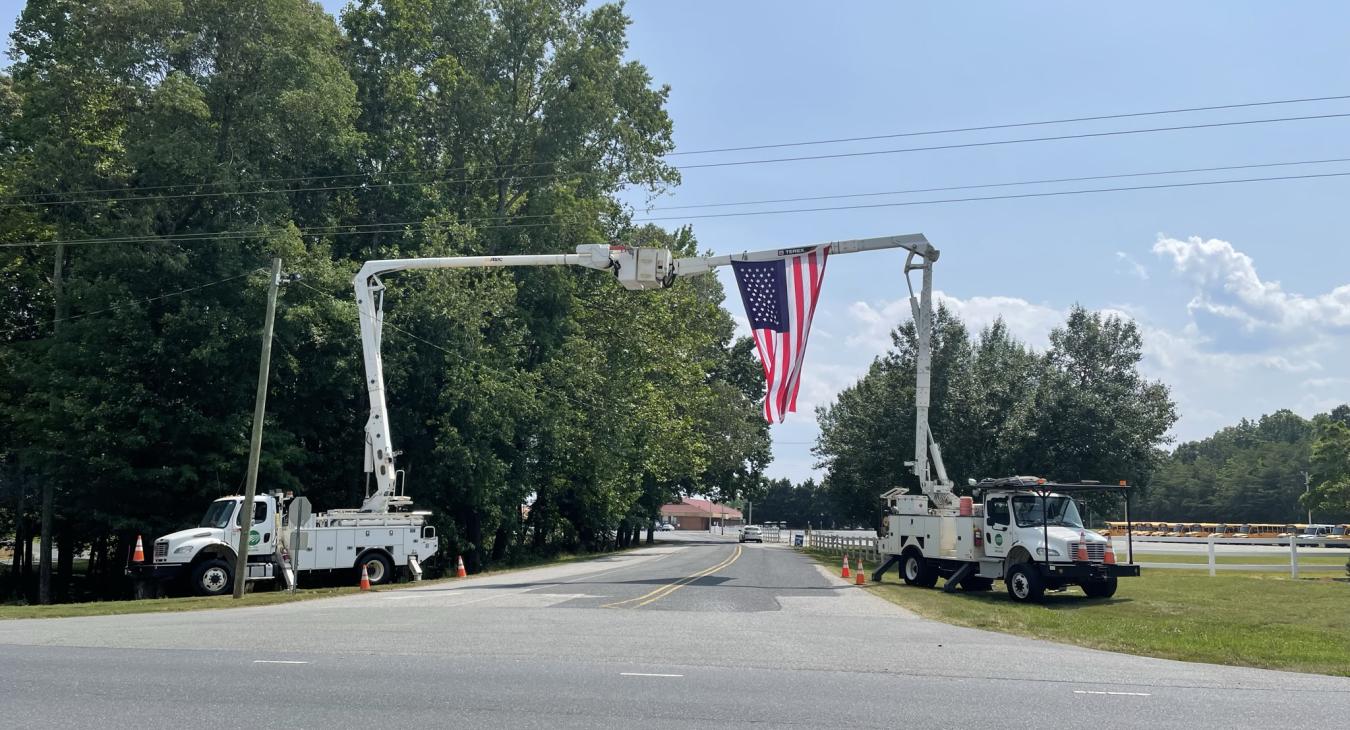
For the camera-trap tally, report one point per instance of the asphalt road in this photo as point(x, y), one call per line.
point(690, 633)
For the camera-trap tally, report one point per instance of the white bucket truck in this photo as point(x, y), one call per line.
point(1026, 532)
point(283, 545)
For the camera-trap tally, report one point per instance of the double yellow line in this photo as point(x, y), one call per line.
point(670, 588)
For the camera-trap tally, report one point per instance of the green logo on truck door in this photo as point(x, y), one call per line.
point(998, 540)
point(253, 538)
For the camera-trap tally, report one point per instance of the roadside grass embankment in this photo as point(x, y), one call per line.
point(1264, 620)
point(263, 598)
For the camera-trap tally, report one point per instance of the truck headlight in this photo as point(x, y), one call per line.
point(1053, 552)
point(188, 548)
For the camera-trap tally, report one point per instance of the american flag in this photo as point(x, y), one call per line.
point(780, 299)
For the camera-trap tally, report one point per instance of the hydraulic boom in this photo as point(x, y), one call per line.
point(635, 269)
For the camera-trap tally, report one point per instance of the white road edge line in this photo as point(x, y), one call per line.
point(645, 674)
point(1118, 694)
point(277, 661)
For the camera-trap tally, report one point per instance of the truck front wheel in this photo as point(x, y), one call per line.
point(917, 572)
point(1025, 585)
point(1104, 588)
point(212, 578)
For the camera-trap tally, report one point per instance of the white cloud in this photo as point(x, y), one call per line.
point(1229, 288)
point(1028, 321)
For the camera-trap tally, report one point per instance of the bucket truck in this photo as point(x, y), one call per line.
point(1026, 531)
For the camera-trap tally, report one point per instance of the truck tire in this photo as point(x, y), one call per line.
point(916, 571)
point(212, 578)
point(379, 568)
point(1025, 584)
point(1104, 588)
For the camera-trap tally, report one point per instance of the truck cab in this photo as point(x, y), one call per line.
point(204, 555)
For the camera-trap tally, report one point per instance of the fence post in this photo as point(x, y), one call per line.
point(1211, 556)
point(1293, 556)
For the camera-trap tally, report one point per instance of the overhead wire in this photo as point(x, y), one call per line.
point(31, 199)
point(552, 219)
point(1008, 125)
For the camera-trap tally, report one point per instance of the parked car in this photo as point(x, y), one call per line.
point(751, 533)
point(666, 527)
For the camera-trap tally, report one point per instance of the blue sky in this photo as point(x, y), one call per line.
point(1242, 291)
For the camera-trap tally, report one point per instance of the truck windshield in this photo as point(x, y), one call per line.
point(218, 514)
point(1061, 511)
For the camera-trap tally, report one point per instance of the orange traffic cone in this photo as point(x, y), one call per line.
point(844, 572)
point(1081, 553)
point(1110, 557)
point(365, 578)
point(139, 555)
point(459, 567)
point(861, 580)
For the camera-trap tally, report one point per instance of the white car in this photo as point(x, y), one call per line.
point(751, 533)
point(666, 527)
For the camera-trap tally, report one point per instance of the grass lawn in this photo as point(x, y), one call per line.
point(197, 603)
point(1304, 559)
point(1245, 619)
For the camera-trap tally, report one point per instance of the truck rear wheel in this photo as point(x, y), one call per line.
point(212, 578)
point(1025, 585)
point(916, 571)
point(379, 568)
point(1104, 588)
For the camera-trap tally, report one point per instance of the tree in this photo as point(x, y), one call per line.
point(1330, 470)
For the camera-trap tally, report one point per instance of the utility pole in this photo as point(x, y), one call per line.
point(1307, 488)
point(255, 441)
point(48, 485)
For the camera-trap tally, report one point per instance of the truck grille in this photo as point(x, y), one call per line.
point(161, 549)
point(1096, 551)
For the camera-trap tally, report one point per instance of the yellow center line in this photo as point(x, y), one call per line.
point(669, 588)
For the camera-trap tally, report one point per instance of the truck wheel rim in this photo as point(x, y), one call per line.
point(213, 579)
point(375, 571)
point(912, 569)
point(1020, 586)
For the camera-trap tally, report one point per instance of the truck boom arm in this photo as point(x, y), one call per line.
point(635, 268)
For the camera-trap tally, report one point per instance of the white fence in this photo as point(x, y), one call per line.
point(858, 545)
point(868, 548)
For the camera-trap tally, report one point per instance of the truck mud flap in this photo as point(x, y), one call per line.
point(880, 572)
point(965, 571)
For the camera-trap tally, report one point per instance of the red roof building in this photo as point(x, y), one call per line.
point(700, 514)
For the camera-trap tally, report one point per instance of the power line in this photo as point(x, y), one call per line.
point(1007, 184)
point(436, 226)
point(1010, 125)
point(134, 301)
point(30, 201)
point(1023, 140)
point(1015, 196)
